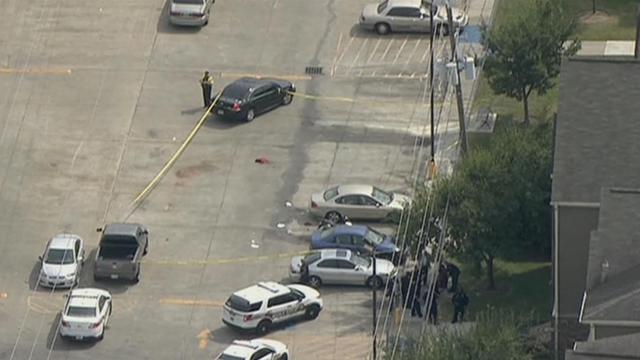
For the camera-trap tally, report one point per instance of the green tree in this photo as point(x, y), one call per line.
point(495, 335)
point(498, 200)
point(525, 50)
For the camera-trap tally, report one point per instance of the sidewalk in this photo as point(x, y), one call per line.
point(607, 48)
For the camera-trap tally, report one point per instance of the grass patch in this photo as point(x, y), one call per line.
point(613, 20)
point(523, 287)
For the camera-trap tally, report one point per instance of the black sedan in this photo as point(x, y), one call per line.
point(247, 97)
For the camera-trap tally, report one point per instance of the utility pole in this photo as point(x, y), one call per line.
point(637, 47)
point(454, 55)
point(374, 286)
point(432, 94)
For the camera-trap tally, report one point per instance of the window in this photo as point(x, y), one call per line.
point(404, 12)
point(358, 241)
point(191, 2)
point(261, 354)
point(59, 256)
point(345, 264)
point(382, 6)
point(81, 311)
point(360, 260)
point(101, 302)
point(258, 93)
point(343, 239)
point(367, 201)
point(311, 258)
point(374, 237)
point(330, 194)
point(349, 200)
point(381, 196)
point(238, 303)
point(281, 299)
point(328, 264)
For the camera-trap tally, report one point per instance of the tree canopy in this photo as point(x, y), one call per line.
point(524, 50)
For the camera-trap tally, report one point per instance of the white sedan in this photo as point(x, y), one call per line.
point(257, 349)
point(62, 261)
point(357, 202)
point(86, 314)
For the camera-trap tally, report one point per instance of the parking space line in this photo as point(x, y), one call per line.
point(355, 59)
point(386, 51)
point(344, 50)
point(190, 302)
point(335, 57)
point(413, 52)
point(426, 52)
point(373, 52)
point(400, 51)
point(39, 71)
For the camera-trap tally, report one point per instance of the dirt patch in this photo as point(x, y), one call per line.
point(195, 170)
point(600, 17)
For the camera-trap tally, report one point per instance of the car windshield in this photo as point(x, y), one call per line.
point(229, 357)
point(81, 311)
point(374, 237)
point(325, 234)
point(382, 6)
point(235, 92)
point(59, 256)
point(360, 260)
point(297, 293)
point(381, 196)
point(194, 2)
point(330, 194)
point(241, 304)
point(311, 258)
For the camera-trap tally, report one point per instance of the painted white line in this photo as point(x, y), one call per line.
point(355, 59)
point(335, 57)
point(373, 52)
point(344, 50)
point(426, 52)
point(400, 51)
point(415, 47)
point(384, 55)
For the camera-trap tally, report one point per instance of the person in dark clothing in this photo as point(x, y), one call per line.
point(206, 83)
point(416, 289)
point(425, 263)
point(454, 273)
point(304, 272)
point(460, 301)
point(404, 287)
point(443, 278)
point(433, 309)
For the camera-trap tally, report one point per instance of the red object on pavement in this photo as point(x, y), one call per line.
point(262, 160)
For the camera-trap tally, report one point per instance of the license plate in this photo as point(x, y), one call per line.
point(114, 276)
point(220, 112)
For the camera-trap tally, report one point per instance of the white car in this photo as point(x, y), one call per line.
point(257, 349)
point(86, 314)
point(62, 261)
point(340, 266)
point(357, 202)
point(261, 306)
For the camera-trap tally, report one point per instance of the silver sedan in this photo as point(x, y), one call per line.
point(190, 12)
point(357, 202)
point(408, 16)
point(340, 266)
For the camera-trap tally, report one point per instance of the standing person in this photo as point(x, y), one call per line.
point(433, 308)
point(443, 277)
point(454, 274)
point(206, 83)
point(460, 301)
point(404, 287)
point(425, 263)
point(416, 290)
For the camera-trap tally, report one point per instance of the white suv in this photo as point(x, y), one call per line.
point(257, 349)
point(260, 306)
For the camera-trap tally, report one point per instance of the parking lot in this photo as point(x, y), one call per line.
point(96, 96)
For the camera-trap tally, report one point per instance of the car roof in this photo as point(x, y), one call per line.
point(351, 229)
point(355, 189)
point(335, 254)
point(121, 229)
point(87, 297)
point(242, 349)
point(262, 290)
point(63, 241)
point(410, 3)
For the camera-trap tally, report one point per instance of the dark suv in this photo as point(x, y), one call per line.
point(247, 97)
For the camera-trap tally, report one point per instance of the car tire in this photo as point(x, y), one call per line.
point(263, 327)
point(251, 114)
point(333, 216)
point(312, 312)
point(314, 282)
point(101, 336)
point(375, 282)
point(382, 28)
point(287, 98)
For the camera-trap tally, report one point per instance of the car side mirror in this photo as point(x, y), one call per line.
point(378, 205)
point(145, 231)
point(40, 257)
point(99, 229)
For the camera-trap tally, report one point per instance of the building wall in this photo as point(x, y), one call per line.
point(574, 229)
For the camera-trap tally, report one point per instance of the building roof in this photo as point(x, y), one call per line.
point(613, 285)
point(617, 347)
point(597, 135)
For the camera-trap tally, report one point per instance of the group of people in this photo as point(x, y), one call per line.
point(417, 293)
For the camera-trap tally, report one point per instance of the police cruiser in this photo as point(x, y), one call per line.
point(260, 306)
